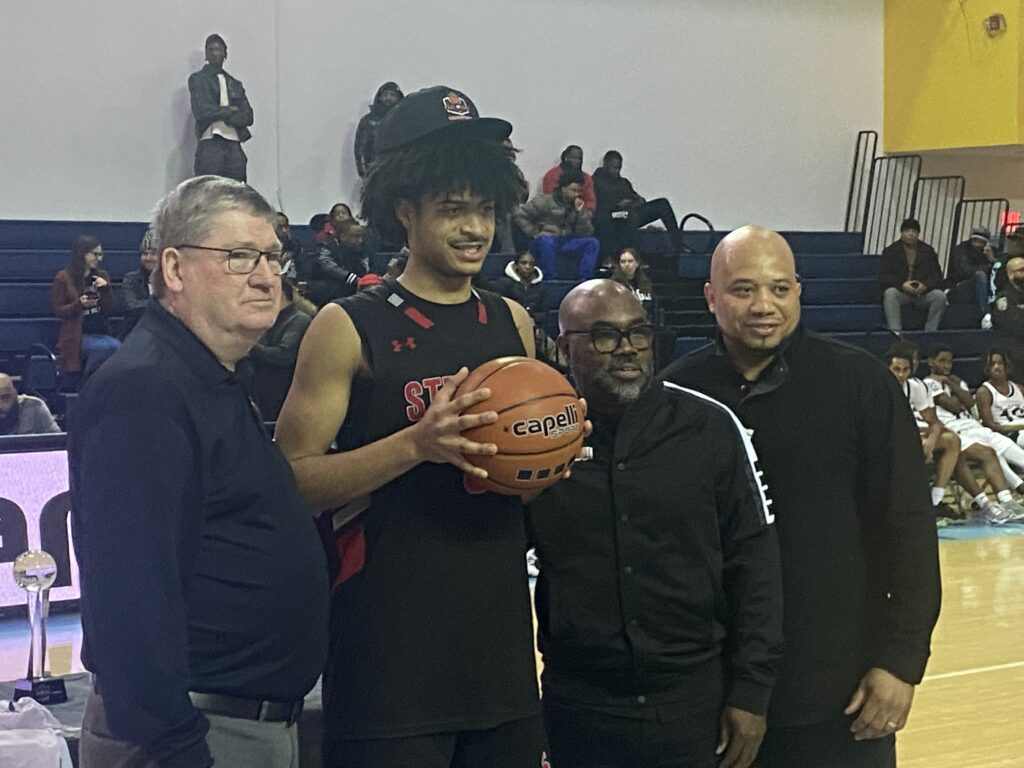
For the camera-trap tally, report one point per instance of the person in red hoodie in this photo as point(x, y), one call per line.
point(572, 157)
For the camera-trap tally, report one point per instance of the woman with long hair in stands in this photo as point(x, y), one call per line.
point(83, 299)
point(630, 272)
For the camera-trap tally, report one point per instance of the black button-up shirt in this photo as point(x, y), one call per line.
point(658, 565)
point(201, 568)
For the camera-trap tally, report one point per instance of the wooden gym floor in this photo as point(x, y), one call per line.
point(968, 712)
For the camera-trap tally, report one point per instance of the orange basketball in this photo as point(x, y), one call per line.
point(539, 429)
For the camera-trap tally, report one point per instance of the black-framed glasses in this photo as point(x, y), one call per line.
point(243, 261)
point(607, 339)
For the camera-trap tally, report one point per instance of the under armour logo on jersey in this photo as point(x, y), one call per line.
point(398, 346)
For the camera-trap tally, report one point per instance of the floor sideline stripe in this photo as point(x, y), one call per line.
point(975, 671)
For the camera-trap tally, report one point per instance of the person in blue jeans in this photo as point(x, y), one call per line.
point(560, 226)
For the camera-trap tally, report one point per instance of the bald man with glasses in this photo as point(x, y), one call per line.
point(659, 595)
point(204, 585)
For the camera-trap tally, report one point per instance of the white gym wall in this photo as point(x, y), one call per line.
point(744, 111)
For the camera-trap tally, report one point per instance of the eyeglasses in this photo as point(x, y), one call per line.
point(243, 261)
point(607, 340)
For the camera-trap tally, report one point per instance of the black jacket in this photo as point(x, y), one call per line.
point(611, 191)
point(366, 131)
point(532, 295)
point(1008, 326)
point(656, 559)
point(893, 270)
point(204, 89)
point(964, 261)
point(842, 456)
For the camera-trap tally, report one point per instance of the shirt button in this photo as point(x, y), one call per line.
point(633, 622)
point(624, 518)
point(641, 699)
point(628, 569)
point(620, 466)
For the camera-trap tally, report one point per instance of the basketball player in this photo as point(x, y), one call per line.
point(1000, 401)
point(947, 446)
point(431, 660)
point(842, 455)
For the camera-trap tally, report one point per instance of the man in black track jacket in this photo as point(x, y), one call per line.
point(659, 597)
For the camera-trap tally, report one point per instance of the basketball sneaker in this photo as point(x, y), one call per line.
point(1014, 510)
point(993, 514)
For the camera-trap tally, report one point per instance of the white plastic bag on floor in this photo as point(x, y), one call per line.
point(31, 737)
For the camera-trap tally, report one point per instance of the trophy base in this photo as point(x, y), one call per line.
point(45, 690)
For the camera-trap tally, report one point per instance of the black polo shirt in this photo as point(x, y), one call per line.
point(659, 567)
point(201, 567)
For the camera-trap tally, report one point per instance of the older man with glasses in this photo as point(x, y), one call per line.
point(659, 595)
point(204, 596)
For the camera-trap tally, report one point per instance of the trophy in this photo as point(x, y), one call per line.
point(35, 572)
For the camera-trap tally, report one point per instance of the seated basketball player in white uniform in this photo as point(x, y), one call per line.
point(902, 359)
point(1000, 402)
point(953, 401)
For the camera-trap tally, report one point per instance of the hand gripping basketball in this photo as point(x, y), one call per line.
point(538, 427)
point(438, 435)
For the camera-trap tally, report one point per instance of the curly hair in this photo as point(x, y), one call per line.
point(437, 165)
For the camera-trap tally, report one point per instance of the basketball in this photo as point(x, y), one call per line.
point(539, 429)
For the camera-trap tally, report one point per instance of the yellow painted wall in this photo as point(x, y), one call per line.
point(947, 83)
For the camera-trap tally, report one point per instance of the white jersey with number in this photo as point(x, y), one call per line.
point(1007, 409)
point(953, 421)
point(920, 399)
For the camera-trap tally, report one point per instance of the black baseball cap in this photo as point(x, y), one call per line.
point(432, 110)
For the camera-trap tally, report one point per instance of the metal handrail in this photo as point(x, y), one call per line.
point(858, 196)
point(935, 203)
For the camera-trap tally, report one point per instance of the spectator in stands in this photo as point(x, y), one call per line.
point(340, 258)
point(135, 289)
point(631, 273)
point(222, 113)
point(909, 273)
point(968, 273)
point(1000, 401)
point(204, 612)
point(23, 414)
point(572, 160)
point(558, 224)
point(387, 96)
point(859, 557)
point(621, 211)
point(82, 299)
point(508, 238)
point(523, 282)
point(953, 403)
point(272, 359)
point(673, 499)
point(320, 227)
point(1008, 315)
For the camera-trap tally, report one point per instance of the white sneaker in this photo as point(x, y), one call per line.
point(1014, 510)
point(993, 514)
point(986, 322)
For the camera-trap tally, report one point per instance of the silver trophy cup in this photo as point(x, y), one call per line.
point(35, 572)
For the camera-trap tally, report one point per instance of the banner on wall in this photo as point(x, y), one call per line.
point(35, 511)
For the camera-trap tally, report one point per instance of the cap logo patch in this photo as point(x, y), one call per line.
point(456, 107)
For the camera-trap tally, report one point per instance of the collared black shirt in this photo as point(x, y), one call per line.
point(657, 560)
point(201, 568)
point(842, 455)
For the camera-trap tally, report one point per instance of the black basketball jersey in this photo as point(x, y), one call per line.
point(431, 628)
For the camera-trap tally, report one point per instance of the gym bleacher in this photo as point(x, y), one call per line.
point(840, 295)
